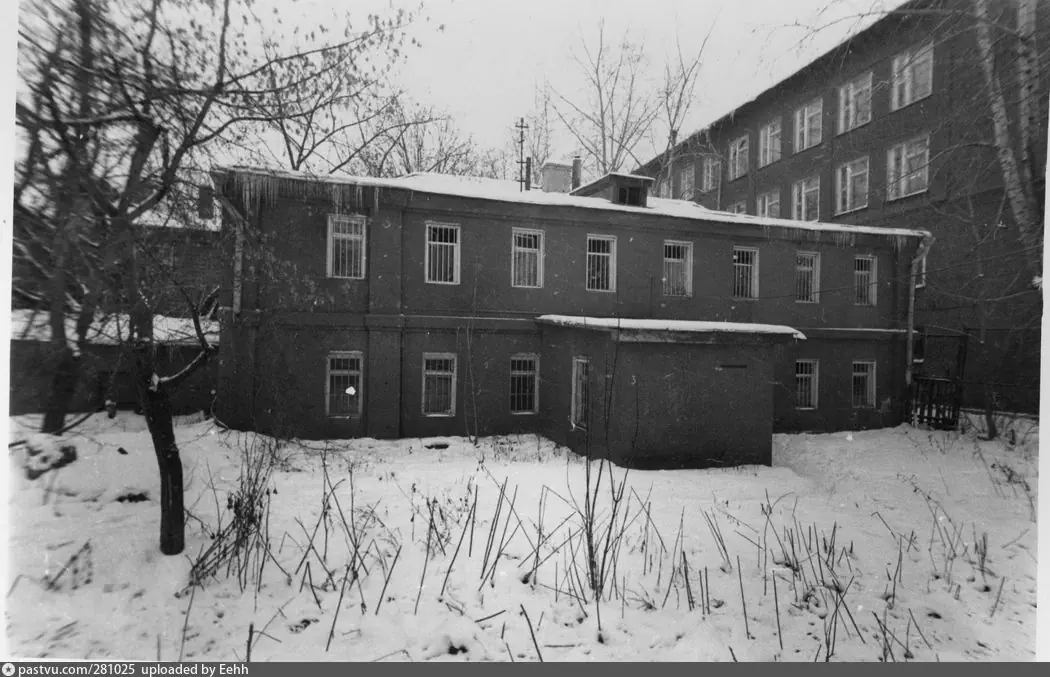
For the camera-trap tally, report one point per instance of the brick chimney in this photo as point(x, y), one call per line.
point(556, 177)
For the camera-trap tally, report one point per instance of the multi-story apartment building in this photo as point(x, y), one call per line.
point(432, 305)
point(894, 128)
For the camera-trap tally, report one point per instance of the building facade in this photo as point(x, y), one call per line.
point(894, 128)
point(412, 307)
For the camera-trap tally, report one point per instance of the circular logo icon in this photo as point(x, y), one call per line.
point(8, 670)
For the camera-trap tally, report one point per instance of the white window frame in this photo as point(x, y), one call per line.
point(870, 369)
point(845, 174)
point(663, 188)
point(738, 207)
point(687, 269)
point(687, 181)
point(769, 143)
point(804, 137)
point(814, 295)
point(920, 280)
point(580, 396)
point(455, 251)
point(897, 161)
point(712, 173)
point(872, 297)
point(813, 378)
point(329, 373)
point(335, 220)
point(739, 150)
point(518, 253)
point(763, 202)
point(851, 95)
point(753, 279)
point(903, 77)
point(534, 406)
point(612, 262)
point(799, 191)
point(451, 411)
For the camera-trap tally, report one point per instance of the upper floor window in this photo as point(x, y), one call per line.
point(687, 182)
point(769, 204)
point(678, 268)
point(343, 387)
point(852, 180)
point(769, 143)
point(738, 152)
point(808, 125)
point(805, 202)
point(442, 261)
point(663, 188)
point(712, 173)
point(807, 277)
point(912, 77)
point(601, 263)
point(855, 103)
point(907, 168)
point(346, 246)
point(745, 273)
point(737, 207)
point(865, 281)
point(526, 258)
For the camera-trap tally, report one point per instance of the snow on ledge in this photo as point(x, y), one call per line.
point(696, 326)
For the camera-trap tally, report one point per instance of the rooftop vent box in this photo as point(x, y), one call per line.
point(620, 189)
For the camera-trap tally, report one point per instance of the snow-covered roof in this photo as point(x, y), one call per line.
point(34, 325)
point(582, 190)
point(509, 191)
point(694, 326)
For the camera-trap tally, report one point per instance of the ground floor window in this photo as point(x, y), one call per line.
point(439, 384)
point(863, 385)
point(344, 384)
point(580, 392)
point(806, 376)
point(524, 395)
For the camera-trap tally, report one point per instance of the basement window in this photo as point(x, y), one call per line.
point(343, 386)
point(524, 377)
point(439, 384)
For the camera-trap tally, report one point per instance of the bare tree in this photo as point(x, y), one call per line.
point(418, 138)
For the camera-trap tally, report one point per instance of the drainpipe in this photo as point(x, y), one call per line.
point(920, 255)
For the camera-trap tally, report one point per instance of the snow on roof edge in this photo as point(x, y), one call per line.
point(696, 326)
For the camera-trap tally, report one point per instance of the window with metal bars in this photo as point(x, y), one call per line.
point(745, 273)
point(524, 381)
point(678, 268)
point(442, 262)
point(769, 204)
point(343, 387)
point(601, 263)
point(807, 277)
point(863, 385)
point(346, 246)
point(864, 280)
point(852, 178)
point(581, 392)
point(526, 258)
point(439, 384)
point(806, 384)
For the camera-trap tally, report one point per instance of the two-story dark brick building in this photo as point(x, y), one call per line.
point(648, 329)
point(893, 128)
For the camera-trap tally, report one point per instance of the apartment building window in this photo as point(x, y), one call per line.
point(687, 182)
point(907, 168)
point(864, 280)
point(807, 374)
point(581, 392)
point(912, 77)
point(739, 207)
point(807, 277)
point(526, 258)
point(524, 377)
point(346, 246)
point(738, 157)
point(712, 173)
point(805, 202)
point(808, 125)
point(601, 263)
point(678, 268)
point(745, 273)
point(343, 384)
point(769, 204)
point(852, 179)
point(863, 385)
point(442, 262)
point(439, 384)
point(769, 143)
point(663, 188)
point(855, 103)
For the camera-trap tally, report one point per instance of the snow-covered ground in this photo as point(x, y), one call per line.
point(900, 544)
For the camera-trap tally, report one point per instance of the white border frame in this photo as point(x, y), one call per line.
point(536, 374)
point(423, 384)
point(541, 268)
point(328, 382)
point(349, 218)
point(457, 251)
